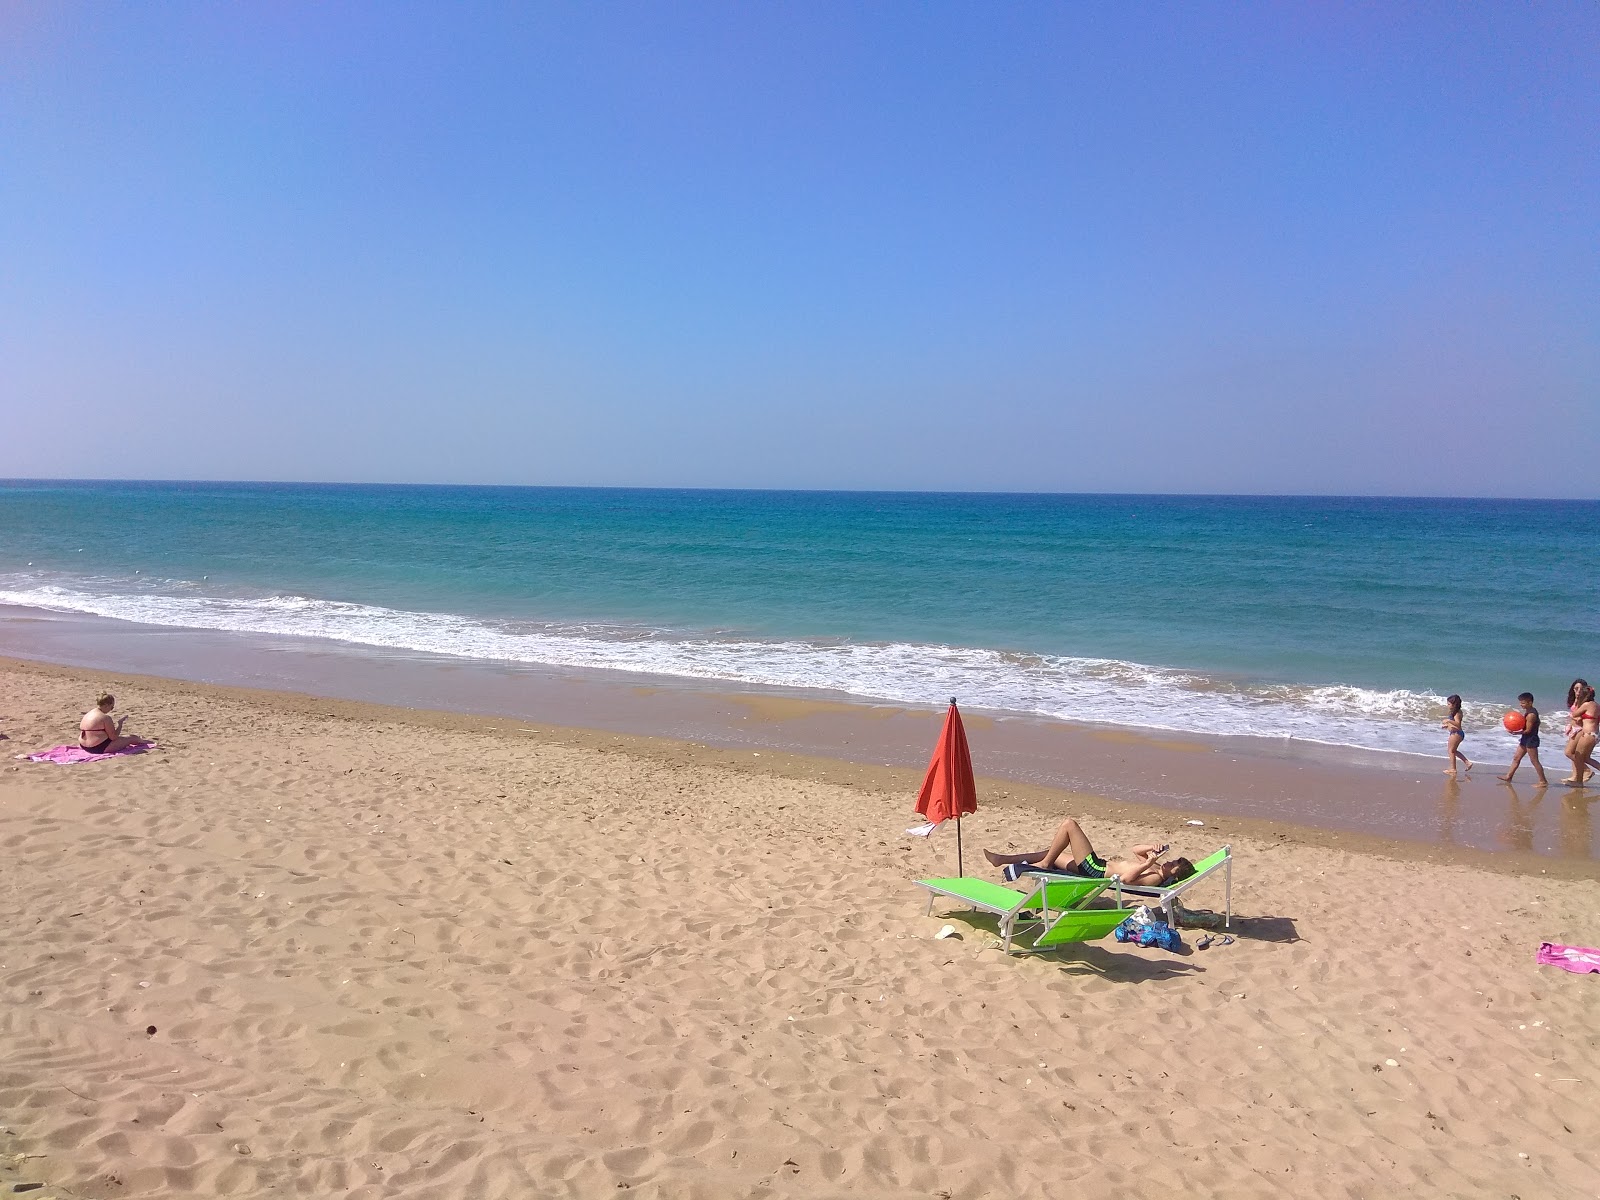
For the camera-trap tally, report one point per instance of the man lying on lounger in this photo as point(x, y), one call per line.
point(1140, 867)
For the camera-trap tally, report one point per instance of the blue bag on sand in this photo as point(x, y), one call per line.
point(1167, 938)
point(1149, 933)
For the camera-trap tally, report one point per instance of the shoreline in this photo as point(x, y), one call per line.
point(1048, 801)
point(1387, 796)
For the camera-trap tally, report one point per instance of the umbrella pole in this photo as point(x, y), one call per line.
point(960, 873)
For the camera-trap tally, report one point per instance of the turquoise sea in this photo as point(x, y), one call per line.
point(1342, 621)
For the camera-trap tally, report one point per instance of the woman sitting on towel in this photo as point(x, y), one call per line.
point(99, 734)
point(1139, 868)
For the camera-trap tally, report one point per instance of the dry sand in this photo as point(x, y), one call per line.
point(325, 949)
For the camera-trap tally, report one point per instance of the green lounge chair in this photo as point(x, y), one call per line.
point(1222, 861)
point(1067, 898)
point(1080, 925)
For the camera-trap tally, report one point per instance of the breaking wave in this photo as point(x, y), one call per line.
point(1103, 691)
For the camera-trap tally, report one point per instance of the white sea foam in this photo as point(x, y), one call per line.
point(1107, 691)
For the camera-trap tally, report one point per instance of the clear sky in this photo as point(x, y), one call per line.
point(1064, 247)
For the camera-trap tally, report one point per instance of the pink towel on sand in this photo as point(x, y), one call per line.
point(1580, 960)
point(66, 756)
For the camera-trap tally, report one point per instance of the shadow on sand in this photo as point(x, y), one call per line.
point(1084, 958)
point(1121, 967)
point(1263, 929)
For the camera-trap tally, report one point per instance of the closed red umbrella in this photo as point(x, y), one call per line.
point(948, 789)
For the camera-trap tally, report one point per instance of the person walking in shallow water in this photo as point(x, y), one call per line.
point(1583, 721)
point(1528, 743)
point(1457, 734)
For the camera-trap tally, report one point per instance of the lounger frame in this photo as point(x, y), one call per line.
point(1166, 896)
point(1064, 894)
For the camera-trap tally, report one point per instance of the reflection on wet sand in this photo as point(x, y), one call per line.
point(1517, 832)
point(1449, 811)
point(1576, 824)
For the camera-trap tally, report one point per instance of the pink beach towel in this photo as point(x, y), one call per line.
point(66, 756)
point(1580, 960)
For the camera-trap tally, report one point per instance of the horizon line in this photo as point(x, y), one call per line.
point(820, 491)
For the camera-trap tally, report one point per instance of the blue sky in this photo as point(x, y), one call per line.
point(1065, 247)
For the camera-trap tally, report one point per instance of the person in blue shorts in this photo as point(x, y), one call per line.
point(1071, 852)
point(1528, 743)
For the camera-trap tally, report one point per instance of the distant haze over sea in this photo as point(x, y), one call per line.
point(1343, 621)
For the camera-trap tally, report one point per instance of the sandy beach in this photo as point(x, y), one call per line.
point(325, 948)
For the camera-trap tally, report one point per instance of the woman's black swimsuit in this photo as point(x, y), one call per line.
point(96, 749)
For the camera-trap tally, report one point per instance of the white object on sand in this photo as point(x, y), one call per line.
point(1194, 822)
point(949, 931)
point(923, 830)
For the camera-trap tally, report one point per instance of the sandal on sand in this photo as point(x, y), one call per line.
point(1204, 942)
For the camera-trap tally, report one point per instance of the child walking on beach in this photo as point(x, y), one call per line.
point(1528, 743)
point(1453, 723)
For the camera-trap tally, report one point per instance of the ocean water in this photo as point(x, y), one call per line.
point(1343, 621)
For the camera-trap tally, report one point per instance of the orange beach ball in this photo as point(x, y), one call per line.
point(1513, 721)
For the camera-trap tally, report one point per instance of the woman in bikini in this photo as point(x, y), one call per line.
point(1453, 724)
point(99, 734)
point(1140, 867)
point(1582, 726)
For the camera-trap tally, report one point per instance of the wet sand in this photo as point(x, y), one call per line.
point(320, 947)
